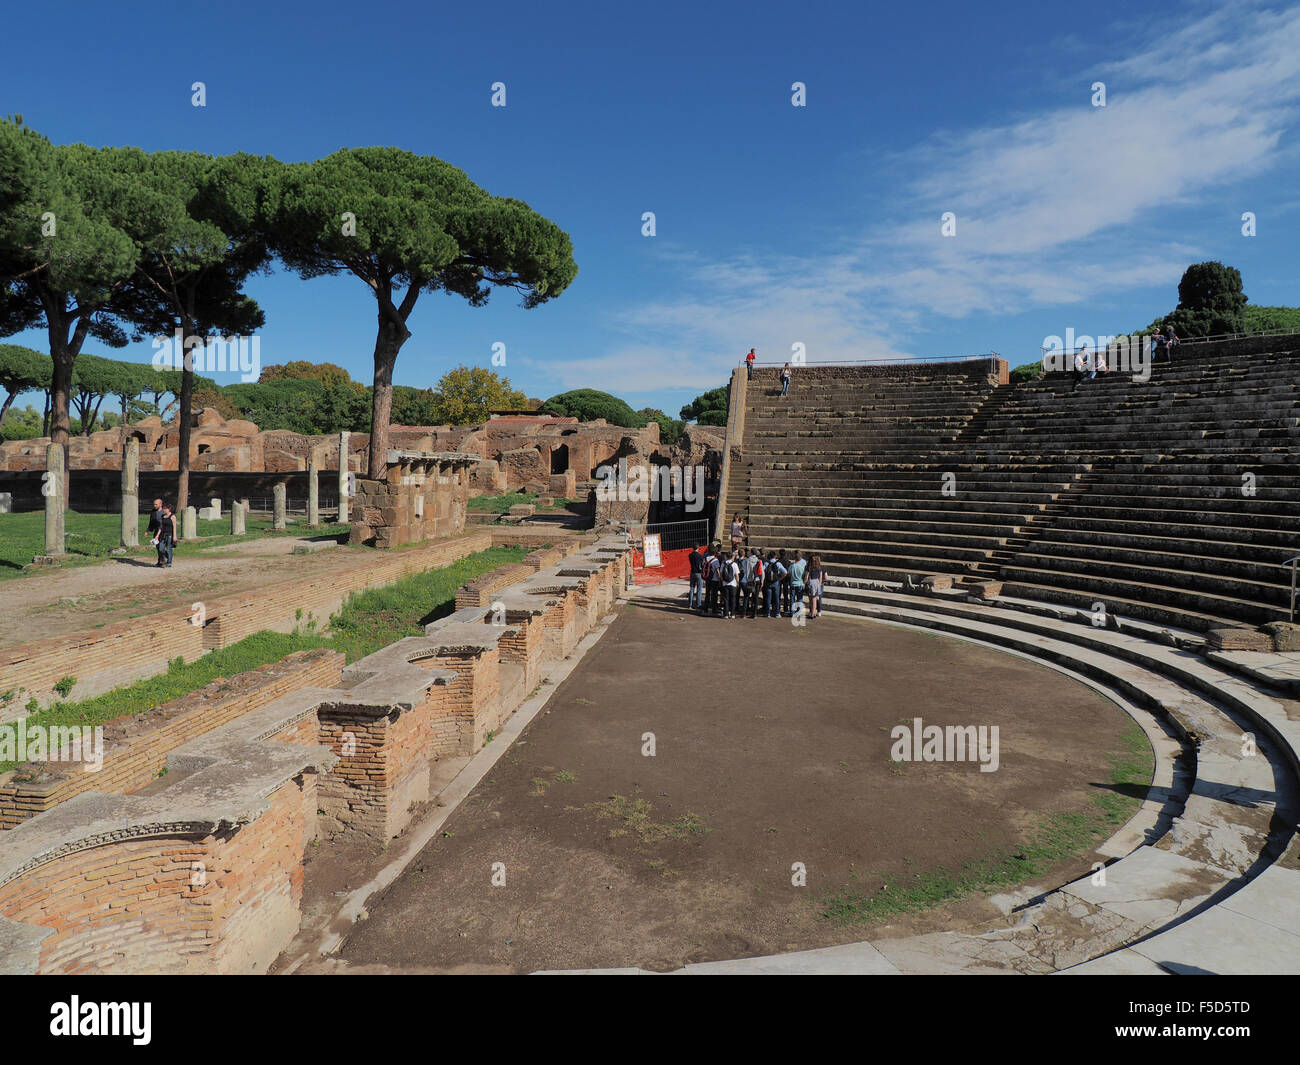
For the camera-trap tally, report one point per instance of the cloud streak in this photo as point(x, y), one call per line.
point(1056, 208)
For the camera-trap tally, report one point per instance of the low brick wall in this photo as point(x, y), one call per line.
point(116, 654)
point(127, 651)
point(136, 748)
point(204, 871)
point(224, 902)
point(482, 590)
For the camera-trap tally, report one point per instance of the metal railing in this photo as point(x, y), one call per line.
point(1240, 336)
point(1293, 563)
point(674, 535)
point(905, 360)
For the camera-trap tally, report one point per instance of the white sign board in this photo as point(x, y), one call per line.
point(651, 548)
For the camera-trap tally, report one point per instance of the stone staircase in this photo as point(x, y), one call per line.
point(1174, 500)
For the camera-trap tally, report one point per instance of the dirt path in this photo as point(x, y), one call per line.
point(772, 747)
point(83, 597)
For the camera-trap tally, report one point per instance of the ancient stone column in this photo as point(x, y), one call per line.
point(343, 476)
point(313, 495)
point(131, 493)
point(281, 512)
point(237, 512)
point(189, 523)
point(53, 490)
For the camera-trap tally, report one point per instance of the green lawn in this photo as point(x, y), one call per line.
point(501, 504)
point(368, 621)
point(93, 537)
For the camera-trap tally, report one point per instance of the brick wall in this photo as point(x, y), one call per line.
point(117, 654)
point(172, 904)
point(142, 889)
point(136, 747)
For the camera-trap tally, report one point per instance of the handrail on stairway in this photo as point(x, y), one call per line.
point(1293, 563)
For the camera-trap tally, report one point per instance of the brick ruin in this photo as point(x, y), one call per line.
point(201, 870)
point(508, 453)
point(422, 496)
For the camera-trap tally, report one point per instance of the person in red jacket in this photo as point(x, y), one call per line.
point(749, 365)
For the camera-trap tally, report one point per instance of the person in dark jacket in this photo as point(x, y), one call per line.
point(167, 539)
point(155, 518)
point(697, 578)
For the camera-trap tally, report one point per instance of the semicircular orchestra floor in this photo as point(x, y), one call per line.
point(702, 789)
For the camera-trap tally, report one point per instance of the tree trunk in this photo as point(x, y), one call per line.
point(387, 344)
point(94, 417)
point(185, 417)
point(59, 420)
point(5, 409)
point(45, 415)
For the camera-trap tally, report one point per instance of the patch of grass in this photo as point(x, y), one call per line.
point(633, 816)
point(366, 622)
point(499, 504)
point(1053, 839)
point(564, 777)
point(94, 537)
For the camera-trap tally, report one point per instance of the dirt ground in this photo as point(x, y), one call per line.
point(85, 597)
point(772, 747)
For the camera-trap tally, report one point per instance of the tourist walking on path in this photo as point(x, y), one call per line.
point(816, 580)
point(749, 365)
point(785, 380)
point(166, 540)
point(155, 518)
point(697, 578)
point(710, 589)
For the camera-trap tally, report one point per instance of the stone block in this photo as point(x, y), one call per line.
point(1238, 639)
point(1285, 635)
point(522, 510)
point(937, 582)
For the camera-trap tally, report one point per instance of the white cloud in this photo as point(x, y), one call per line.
point(1056, 208)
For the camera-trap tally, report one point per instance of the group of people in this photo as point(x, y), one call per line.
point(162, 524)
point(785, 372)
point(1088, 364)
point(743, 581)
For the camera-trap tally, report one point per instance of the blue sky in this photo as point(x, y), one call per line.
point(776, 225)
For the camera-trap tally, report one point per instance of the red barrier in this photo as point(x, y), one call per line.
point(675, 564)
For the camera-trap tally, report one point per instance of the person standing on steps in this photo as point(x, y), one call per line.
point(737, 532)
point(785, 380)
point(749, 365)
